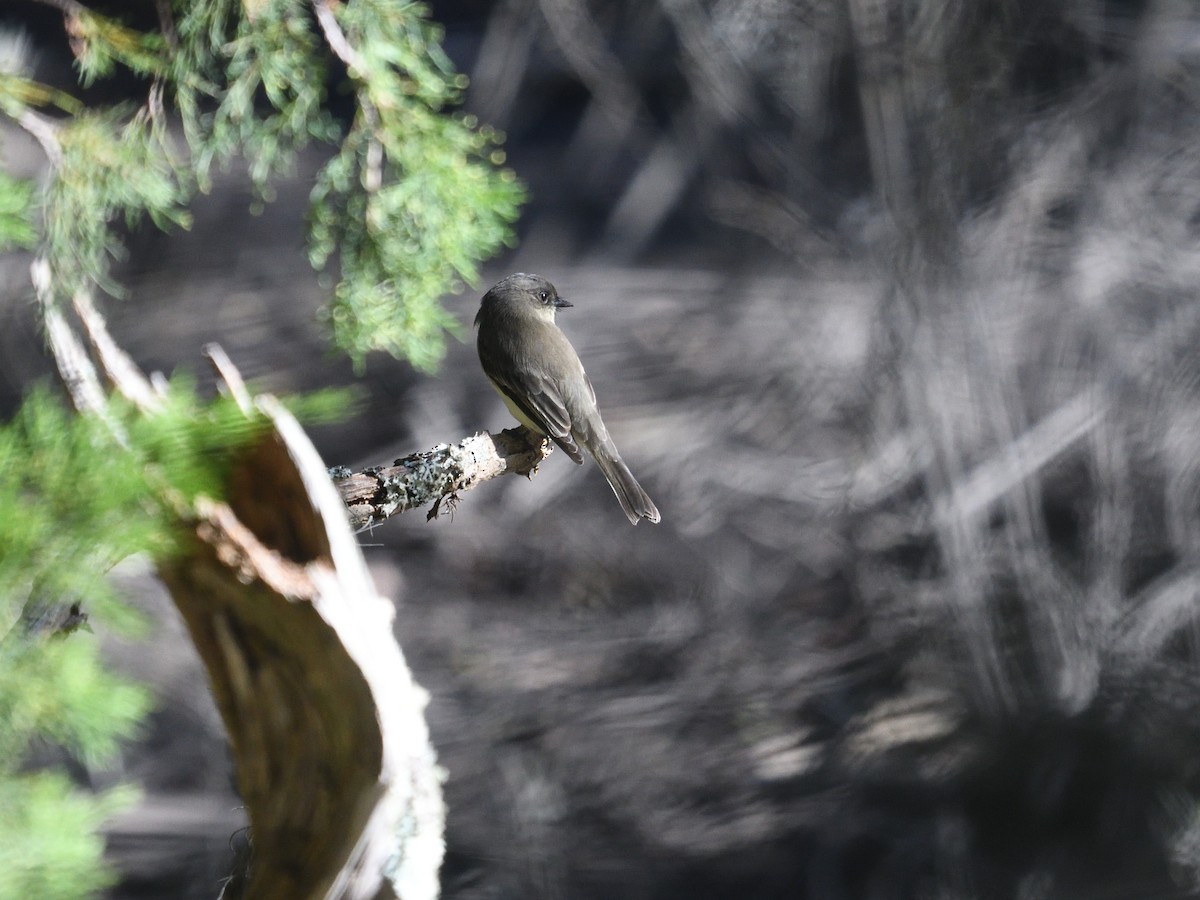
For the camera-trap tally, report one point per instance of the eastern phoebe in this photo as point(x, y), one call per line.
point(531, 363)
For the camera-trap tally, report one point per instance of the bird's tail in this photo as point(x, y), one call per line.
point(635, 501)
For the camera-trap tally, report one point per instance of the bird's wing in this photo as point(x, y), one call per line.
point(538, 399)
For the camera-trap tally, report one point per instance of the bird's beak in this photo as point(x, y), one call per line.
point(559, 303)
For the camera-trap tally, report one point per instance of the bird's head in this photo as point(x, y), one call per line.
point(523, 294)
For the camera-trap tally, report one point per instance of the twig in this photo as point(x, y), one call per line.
point(373, 173)
point(336, 38)
point(231, 376)
point(344, 50)
point(74, 365)
point(166, 22)
point(77, 371)
point(45, 132)
point(121, 370)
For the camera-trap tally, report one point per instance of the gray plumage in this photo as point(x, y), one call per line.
point(537, 372)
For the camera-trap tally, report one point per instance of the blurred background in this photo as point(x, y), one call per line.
point(891, 305)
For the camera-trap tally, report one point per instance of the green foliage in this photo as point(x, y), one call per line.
point(272, 54)
point(401, 246)
point(18, 93)
point(101, 44)
point(324, 407)
point(16, 213)
point(55, 688)
point(188, 445)
point(413, 200)
point(69, 508)
point(73, 502)
point(111, 171)
point(50, 845)
point(409, 204)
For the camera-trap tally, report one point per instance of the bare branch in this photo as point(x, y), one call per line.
point(119, 367)
point(74, 365)
point(166, 22)
point(231, 376)
point(45, 132)
point(378, 493)
point(336, 38)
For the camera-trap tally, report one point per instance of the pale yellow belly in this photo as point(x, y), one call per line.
point(517, 414)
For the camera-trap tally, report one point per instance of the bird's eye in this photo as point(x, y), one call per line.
point(543, 295)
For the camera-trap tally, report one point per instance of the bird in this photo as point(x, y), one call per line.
point(537, 373)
